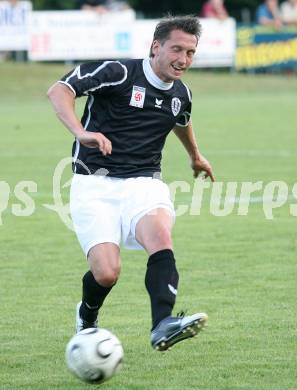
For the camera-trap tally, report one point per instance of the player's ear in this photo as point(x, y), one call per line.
point(155, 47)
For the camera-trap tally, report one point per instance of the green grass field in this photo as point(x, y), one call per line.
point(241, 270)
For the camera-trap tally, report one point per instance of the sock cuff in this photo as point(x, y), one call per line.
point(164, 254)
point(89, 280)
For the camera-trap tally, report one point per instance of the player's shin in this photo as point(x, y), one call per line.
point(93, 297)
point(161, 281)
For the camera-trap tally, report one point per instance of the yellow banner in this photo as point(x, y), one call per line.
point(266, 54)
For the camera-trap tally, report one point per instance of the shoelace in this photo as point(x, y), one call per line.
point(182, 313)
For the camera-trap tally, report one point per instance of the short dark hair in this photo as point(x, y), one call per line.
point(189, 24)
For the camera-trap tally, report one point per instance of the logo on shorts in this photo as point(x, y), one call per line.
point(138, 96)
point(175, 106)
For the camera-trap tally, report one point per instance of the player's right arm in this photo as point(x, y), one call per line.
point(63, 101)
point(198, 162)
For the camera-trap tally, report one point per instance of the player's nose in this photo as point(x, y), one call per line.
point(182, 59)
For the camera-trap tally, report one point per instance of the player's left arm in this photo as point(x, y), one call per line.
point(198, 162)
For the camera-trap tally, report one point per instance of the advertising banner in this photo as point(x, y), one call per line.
point(79, 35)
point(217, 45)
point(14, 25)
point(260, 47)
point(76, 35)
point(216, 48)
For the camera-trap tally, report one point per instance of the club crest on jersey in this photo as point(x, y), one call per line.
point(175, 106)
point(138, 96)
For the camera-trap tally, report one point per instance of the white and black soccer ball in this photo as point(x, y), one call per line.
point(94, 355)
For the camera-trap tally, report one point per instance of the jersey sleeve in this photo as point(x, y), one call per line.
point(95, 77)
point(184, 118)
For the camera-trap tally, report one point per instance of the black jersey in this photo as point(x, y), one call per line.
point(133, 108)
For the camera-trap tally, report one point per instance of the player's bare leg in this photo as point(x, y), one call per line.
point(105, 263)
point(153, 232)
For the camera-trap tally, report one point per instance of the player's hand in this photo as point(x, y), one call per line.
point(201, 165)
point(95, 140)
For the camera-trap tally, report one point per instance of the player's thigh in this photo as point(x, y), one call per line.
point(105, 263)
point(153, 230)
point(95, 215)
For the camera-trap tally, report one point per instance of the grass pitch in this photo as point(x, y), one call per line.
point(241, 270)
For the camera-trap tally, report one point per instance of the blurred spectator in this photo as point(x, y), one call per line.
point(289, 12)
point(13, 3)
point(102, 6)
point(99, 6)
point(214, 9)
point(114, 5)
point(268, 14)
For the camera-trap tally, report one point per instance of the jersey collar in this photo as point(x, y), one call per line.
point(152, 78)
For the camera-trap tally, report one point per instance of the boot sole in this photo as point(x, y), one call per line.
point(188, 331)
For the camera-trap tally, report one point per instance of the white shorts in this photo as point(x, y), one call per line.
point(107, 209)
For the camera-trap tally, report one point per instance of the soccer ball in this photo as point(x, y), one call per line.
point(94, 355)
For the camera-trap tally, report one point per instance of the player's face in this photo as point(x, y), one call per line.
point(173, 57)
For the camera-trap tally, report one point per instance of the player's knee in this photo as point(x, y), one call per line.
point(163, 237)
point(107, 277)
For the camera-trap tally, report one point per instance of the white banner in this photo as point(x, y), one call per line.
point(14, 25)
point(79, 35)
point(217, 45)
point(76, 35)
point(83, 35)
point(142, 32)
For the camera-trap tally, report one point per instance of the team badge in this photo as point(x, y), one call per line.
point(138, 96)
point(175, 106)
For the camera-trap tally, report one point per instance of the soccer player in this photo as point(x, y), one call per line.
point(117, 194)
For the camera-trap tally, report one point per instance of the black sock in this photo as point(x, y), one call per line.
point(161, 281)
point(92, 298)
